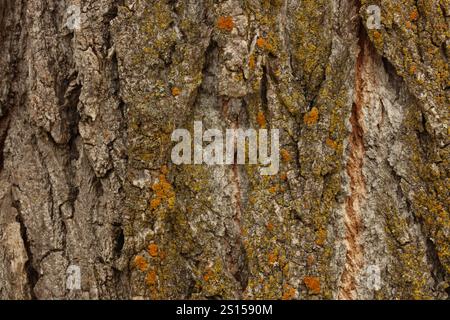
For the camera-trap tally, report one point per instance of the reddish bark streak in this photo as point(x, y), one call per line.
point(354, 256)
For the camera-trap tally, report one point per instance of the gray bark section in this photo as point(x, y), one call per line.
point(64, 156)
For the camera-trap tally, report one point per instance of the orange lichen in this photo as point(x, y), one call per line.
point(163, 191)
point(311, 117)
point(273, 256)
point(225, 23)
point(176, 91)
point(331, 143)
point(261, 43)
point(321, 237)
point(284, 176)
point(140, 263)
point(150, 279)
point(313, 284)
point(285, 155)
point(208, 275)
point(414, 15)
point(270, 226)
point(377, 35)
point(289, 293)
point(273, 189)
point(412, 69)
point(261, 119)
point(162, 188)
point(154, 203)
point(153, 250)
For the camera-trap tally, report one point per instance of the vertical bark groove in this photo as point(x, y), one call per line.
point(354, 257)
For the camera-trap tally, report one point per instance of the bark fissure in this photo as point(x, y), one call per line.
point(355, 162)
point(32, 273)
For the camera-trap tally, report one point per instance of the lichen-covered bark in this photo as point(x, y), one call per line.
point(86, 176)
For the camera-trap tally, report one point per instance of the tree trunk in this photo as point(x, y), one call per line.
point(358, 210)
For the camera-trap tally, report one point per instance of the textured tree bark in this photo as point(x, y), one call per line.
point(358, 210)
